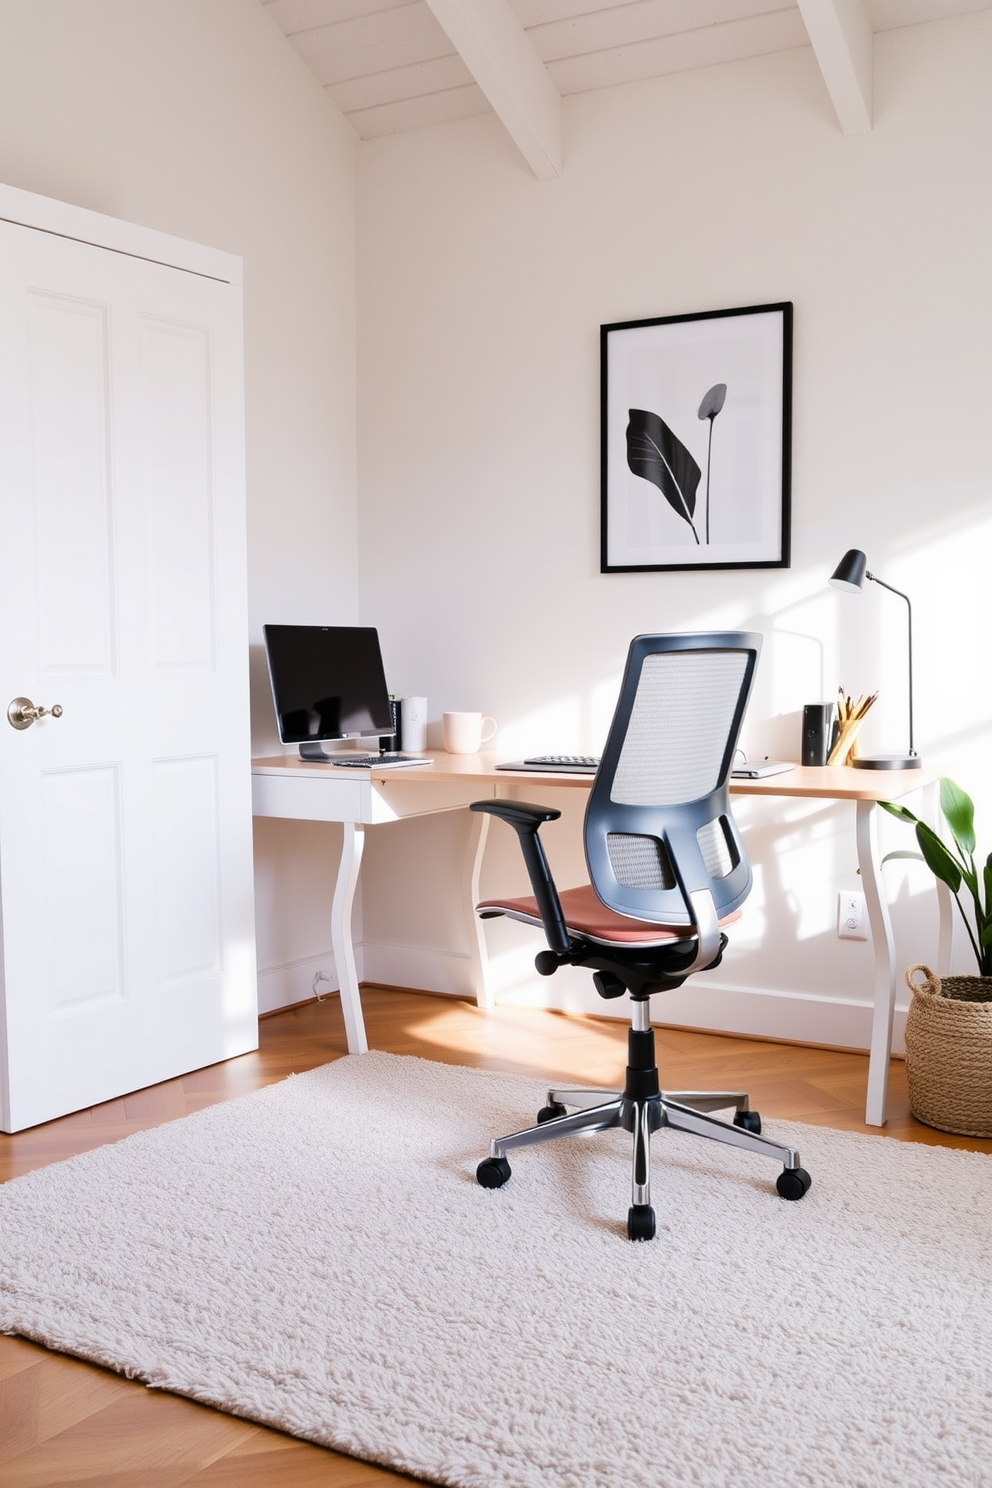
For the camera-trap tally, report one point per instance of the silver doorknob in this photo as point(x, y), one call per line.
point(22, 713)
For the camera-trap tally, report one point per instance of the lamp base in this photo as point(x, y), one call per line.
point(887, 762)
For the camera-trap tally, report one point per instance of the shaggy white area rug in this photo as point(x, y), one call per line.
point(319, 1257)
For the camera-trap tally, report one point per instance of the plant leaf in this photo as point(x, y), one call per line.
point(959, 813)
point(902, 812)
point(916, 857)
point(713, 401)
point(659, 456)
point(937, 858)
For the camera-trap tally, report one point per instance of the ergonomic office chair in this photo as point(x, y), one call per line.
point(668, 869)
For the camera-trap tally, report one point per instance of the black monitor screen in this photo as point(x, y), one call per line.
point(327, 681)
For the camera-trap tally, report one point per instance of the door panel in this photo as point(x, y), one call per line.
point(83, 949)
point(175, 363)
point(188, 914)
point(70, 404)
point(125, 824)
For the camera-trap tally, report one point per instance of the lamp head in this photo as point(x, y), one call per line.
point(851, 571)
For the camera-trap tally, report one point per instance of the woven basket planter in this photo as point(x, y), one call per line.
point(949, 1051)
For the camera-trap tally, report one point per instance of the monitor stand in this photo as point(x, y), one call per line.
point(313, 751)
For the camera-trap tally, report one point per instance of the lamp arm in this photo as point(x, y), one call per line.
point(909, 609)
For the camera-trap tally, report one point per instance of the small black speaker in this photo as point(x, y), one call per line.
point(394, 740)
point(819, 725)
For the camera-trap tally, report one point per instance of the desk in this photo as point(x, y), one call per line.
point(308, 791)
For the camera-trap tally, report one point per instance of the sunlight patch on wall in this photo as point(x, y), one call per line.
point(510, 969)
point(552, 728)
point(796, 849)
point(576, 723)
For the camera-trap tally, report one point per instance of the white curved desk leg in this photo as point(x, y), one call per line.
point(477, 949)
point(341, 937)
point(885, 965)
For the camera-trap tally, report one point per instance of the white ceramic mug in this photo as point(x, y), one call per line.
point(465, 733)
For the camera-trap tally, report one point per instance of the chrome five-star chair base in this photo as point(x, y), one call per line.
point(642, 1108)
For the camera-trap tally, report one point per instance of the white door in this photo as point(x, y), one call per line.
point(125, 825)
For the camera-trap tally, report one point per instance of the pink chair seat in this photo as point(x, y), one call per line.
point(588, 917)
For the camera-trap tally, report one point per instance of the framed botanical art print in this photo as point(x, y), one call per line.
point(696, 440)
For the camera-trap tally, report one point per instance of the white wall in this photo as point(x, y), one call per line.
point(481, 293)
point(196, 117)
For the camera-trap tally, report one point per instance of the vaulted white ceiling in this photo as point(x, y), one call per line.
point(393, 65)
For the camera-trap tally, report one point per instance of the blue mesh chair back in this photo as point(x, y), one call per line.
point(658, 827)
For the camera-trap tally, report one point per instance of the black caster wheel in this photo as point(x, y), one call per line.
point(792, 1183)
point(549, 1112)
point(748, 1121)
point(493, 1172)
point(640, 1222)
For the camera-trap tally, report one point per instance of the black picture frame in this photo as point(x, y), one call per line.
point(696, 417)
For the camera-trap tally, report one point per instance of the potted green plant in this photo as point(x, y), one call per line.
point(949, 1025)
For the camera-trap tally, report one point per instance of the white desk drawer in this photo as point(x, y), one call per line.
point(311, 798)
point(393, 799)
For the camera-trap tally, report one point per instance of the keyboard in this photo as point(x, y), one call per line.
point(563, 764)
point(759, 769)
point(376, 761)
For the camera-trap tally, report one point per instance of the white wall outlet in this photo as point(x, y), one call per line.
point(852, 917)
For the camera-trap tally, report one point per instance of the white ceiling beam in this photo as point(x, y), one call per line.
point(495, 49)
point(841, 36)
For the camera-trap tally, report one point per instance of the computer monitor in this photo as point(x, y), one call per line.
point(327, 683)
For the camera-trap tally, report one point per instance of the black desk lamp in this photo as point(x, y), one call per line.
point(850, 574)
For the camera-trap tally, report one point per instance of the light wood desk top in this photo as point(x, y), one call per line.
point(464, 767)
point(838, 782)
point(829, 782)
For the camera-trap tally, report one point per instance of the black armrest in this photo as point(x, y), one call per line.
point(517, 812)
point(526, 819)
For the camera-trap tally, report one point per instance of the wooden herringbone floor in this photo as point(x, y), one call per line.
point(66, 1422)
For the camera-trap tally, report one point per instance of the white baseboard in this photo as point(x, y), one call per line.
point(291, 982)
point(419, 966)
point(716, 1007)
point(721, 1008)
point(795, 1018)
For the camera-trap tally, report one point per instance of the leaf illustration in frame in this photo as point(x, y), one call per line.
point(712, 402)
point(659, 456)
